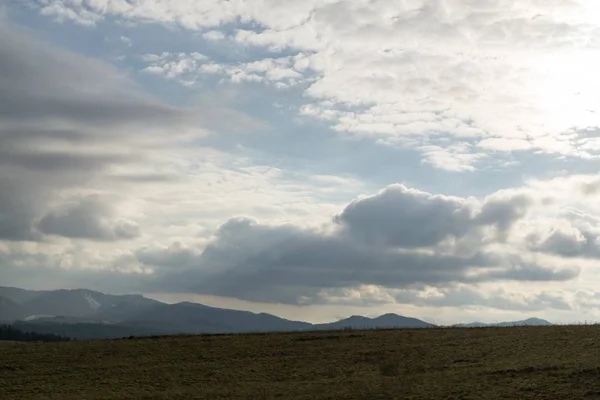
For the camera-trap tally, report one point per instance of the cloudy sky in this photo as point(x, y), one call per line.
point(314, 159)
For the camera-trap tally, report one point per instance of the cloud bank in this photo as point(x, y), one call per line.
point(399, 238)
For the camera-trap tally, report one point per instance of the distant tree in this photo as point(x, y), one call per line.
point(8, 332)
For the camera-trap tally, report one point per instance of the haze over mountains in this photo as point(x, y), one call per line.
point(87, 314)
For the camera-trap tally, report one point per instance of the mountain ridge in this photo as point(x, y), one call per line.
point(88, 314)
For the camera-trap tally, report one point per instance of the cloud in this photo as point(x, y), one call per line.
point(87, 218)
point(398, 238)
point(70, 125)
point(213, 35)
point(62, 11)
point(569, 240)
point(191, 68)
point(467, 296)
point(44, 266)
point(490, 76)
point(126, 40)
point(177, 255)
point(569, 226)
point(457, 158)
point(503, 209)
point(403, 217)
point(16, 213)
point(179, 66)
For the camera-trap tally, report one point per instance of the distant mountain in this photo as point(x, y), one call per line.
point(525, 322)
point(80, 303)
point(9, 310)
point(123, 308)
point(86, 314)
point(471, 325)
point(383, 321)
point(193, 318)
point(18, 295)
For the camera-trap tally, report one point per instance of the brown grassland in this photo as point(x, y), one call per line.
point(559, 362)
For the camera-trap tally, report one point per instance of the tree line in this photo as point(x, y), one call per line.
point(9, 332)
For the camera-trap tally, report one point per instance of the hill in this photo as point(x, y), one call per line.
point(526, 322)
point(383, 321)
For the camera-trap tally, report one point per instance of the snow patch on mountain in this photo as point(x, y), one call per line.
point(94, 304)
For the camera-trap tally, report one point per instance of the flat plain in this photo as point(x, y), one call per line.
point(558, 362)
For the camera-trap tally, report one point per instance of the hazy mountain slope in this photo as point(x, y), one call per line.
point(122, 308)
point(87, 304)
point(193, 318)
point(72, 303)
point(9, 310)
point(18, 295)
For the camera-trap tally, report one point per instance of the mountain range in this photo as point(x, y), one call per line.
point(525, 322)
point(87, 314)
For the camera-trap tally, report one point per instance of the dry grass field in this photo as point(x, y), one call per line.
point(560, 362)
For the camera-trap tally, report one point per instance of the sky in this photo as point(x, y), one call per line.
point(313, 159)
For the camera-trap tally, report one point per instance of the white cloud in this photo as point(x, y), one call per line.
point(63, 11)
point(518, 76)
point(188, 68)
point(213, 35)
point(126, 40)
point(456, 157)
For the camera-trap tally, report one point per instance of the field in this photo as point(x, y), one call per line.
point(560, 362)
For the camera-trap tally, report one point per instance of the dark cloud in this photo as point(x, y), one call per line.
point(44, 84)
point(571, 243)
point(577, 236)
point(63, 119)
point(87, 218)
point(66, 122)
point(403, 217)
point(399, 216)
point(57, 161)
point(503, 211)
point(290, 264)
point(177, 255)
point(16, 212)
point(46, 272)
point(519, 270)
